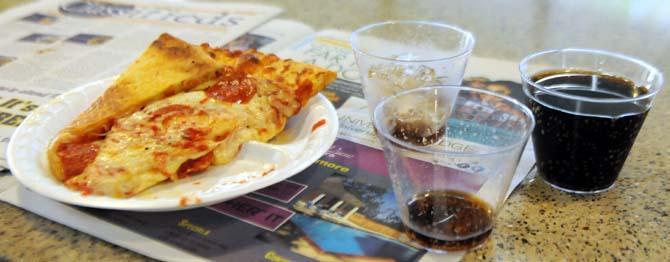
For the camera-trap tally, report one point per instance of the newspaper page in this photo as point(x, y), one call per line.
point(272, 37)
point(49, 47)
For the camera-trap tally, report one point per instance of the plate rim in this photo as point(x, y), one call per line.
point(165, 204)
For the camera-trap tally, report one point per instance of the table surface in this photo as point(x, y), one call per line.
point(628, 222)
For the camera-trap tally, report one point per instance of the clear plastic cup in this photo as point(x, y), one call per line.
point(589, 106)
point(399, 55)
point(450, 184)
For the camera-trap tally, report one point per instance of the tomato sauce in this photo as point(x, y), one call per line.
point(248, 63)
point(81, 187)
point(234, 90)
point(195, 165)
point(195, 134)
point(171, 109)
point(304, 91)
point(161, 159)
point(318, 124)
point(195, 145)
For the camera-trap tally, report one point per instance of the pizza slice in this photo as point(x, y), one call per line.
point(166, 140)
point(168, 66)
point(175, 135)
point(289, 87)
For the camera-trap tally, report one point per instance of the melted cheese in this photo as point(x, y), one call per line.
point(138, 133)
point(152, 144)
point(265, 117)
point(168, 66)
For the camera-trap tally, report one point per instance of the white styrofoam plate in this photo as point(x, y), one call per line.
point(258, 165)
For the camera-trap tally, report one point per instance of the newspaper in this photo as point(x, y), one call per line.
point(340, 208)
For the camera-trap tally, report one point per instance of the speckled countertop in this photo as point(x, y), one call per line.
point(629, 222)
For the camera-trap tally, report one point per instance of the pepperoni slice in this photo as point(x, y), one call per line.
point(76, 157)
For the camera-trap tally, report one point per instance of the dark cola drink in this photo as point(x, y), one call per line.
point(420, 133)
point(461, 219)
point(581, 146)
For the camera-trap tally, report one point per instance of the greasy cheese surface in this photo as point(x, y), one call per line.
point(183, 134)
point(178, 109)
point(168, 66)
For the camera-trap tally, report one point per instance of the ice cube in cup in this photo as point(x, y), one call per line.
point(395, 56)
point(393, 78)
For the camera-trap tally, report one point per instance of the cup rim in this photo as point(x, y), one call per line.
point(429, 150)
point(523, 64)
point(353, 40)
